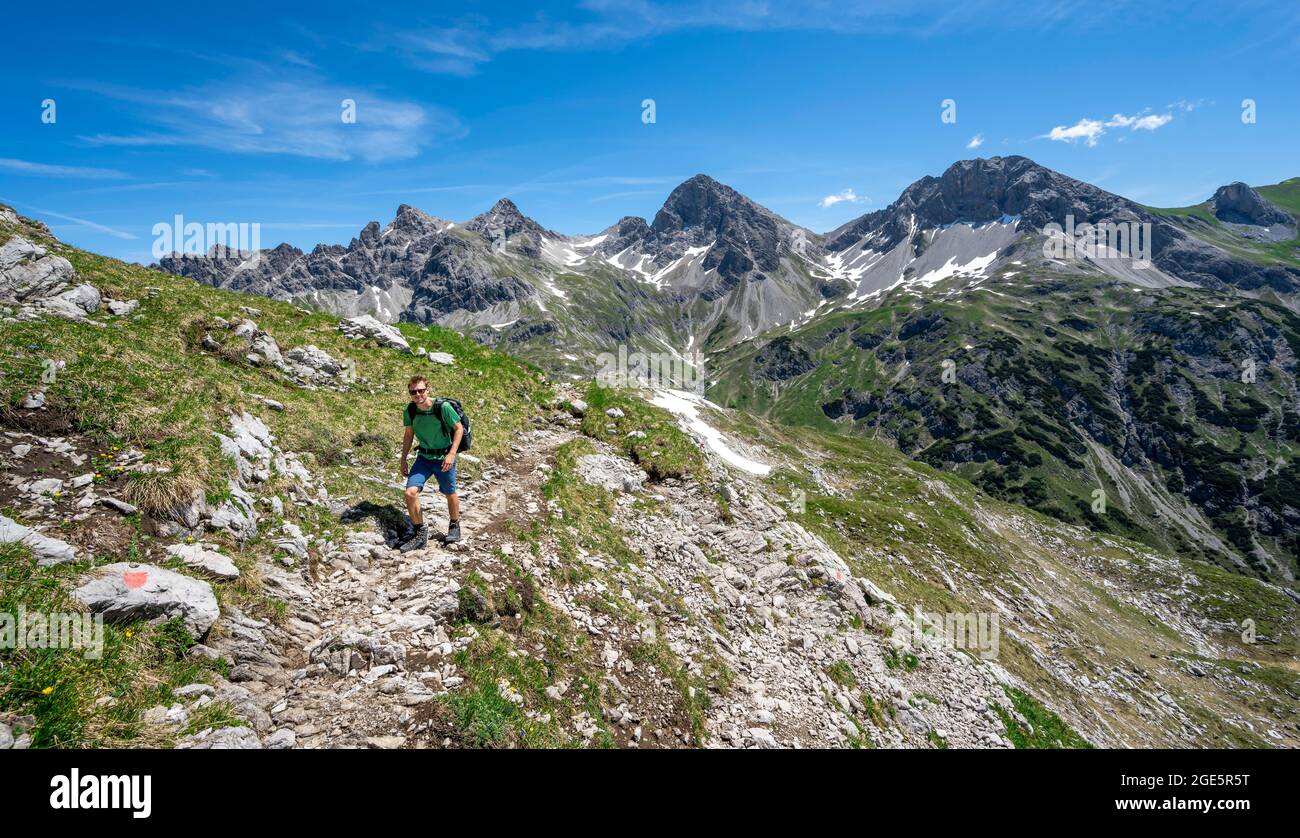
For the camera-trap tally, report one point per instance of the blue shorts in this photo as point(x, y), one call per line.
point(425, 468)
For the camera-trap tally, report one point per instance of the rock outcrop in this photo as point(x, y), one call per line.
point(126, 591)
point(43, 283)
point(1237, 203)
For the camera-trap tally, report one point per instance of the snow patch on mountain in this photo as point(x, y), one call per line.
point(687, 406)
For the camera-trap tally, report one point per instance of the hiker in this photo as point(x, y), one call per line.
point(437, 428)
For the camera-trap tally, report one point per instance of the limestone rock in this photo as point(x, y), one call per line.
point(48, 551)
point(205, 557)
point(126, 591)
point(365, 326)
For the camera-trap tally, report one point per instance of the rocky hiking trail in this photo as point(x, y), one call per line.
point(377, 642)
point(754, 611)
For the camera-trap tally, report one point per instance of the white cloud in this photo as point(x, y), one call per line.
point(26, 167)
point(1087, 130)
point(462, 47)
point(1091, 130)
point(297, 58)
point(847, 196)
point(263, 113)
point(976, 141)
point(1149, 122)
point(119, 234)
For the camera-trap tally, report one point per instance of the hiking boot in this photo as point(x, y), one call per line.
point(453, 533)
point(420, 539)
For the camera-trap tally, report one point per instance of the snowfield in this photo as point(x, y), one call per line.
point(686, 406)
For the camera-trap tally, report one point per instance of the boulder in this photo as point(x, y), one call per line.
point(206, 558)
point(48, 551)
point(265, 347)
point(311, 365)
point(28, 274)
point(126, 591)
point(75, 302)
point(250, 445)
point(119, 506)
point(282, 739)
point(612, 473)
point(294, 542)
point(365, 326)
point(226, 738)
point(237, 514)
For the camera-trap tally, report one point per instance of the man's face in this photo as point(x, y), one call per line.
point(418, 392)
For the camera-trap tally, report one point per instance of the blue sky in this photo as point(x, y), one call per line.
point(233, 114)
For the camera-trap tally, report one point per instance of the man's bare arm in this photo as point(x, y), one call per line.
point(407, 437)
point(450, 457)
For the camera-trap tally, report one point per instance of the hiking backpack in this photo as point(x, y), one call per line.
point(466, 438)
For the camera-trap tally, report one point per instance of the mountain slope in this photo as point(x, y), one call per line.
point(1003, 205)
point(620, 584)
point(1046, 387)
point(713, 266)
point(971, 343)
point(1261, 225)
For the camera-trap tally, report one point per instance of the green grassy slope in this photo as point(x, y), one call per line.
point(1072, 603)
point(1198, 220)
point(144, 382)
point(1285, 194)
point(1044, 390)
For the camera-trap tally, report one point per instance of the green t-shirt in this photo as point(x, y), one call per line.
point(429, 432)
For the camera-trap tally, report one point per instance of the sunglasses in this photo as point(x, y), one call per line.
point(418, 392)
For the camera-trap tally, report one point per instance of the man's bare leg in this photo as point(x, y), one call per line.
point(421, 536)
point(413, 506)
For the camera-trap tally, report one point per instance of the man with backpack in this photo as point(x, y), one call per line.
point(438, 427)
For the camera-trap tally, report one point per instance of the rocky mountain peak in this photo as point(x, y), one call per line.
point(414, 223)
point(985, 189)
point(369, 236)
point(503, 222)
point(628, 231)
point(702, 202)
point(1237, 203)
point(981, 190)
point(745, 236)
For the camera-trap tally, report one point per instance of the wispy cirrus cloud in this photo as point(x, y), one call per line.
point(80, 222)
point(847, 196)
point(1090, 131)
point(632, 193)
point(296, 114)
point(27, 167)
point(976, 141)
point(461, 46)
